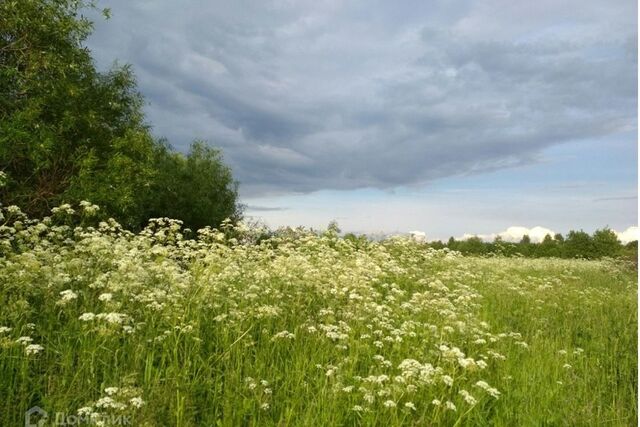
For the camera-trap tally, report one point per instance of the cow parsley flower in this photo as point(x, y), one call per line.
point(85, 411)
point(24, 340)
point(106, 297)
point(136, 402)
point(33, 349)
point(447, 380)
point(468, 397)
point(283, 335)
point(87, 317)
point(67, 296)
point(111, 390)
point(410, 405)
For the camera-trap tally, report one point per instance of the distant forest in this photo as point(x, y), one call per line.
point(576, 244)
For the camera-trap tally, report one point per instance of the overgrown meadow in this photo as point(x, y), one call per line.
point(230, 329)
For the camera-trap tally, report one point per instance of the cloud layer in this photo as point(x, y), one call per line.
point(304, 96)
point(515, 234)
point(629, 235)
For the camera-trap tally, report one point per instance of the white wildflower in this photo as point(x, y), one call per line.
point(111, 390)
point(283, 335)
point(468, 397)
point(24, 340)
point(446, 379)
point(136, 402)
point(33, 349)
point(105, 297)
point(85, 411)
point(87, 317)
point(67, 296)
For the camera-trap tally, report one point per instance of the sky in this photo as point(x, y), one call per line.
point(451, 117)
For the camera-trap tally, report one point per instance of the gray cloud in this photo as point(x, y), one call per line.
point(326, 95)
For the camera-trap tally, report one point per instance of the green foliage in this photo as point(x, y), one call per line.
point(71, 133)
point(304, 329)
point(198, 189)
point(61, 120)
point(577, 244)
point(606, 243)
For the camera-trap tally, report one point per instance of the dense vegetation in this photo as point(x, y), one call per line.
point(126, 321)
point(304, 329)
point(69, 132)
point(576, 244)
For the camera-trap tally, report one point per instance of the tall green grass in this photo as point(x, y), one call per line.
point(306, 330)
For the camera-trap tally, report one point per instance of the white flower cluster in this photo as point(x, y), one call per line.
point(384, 330)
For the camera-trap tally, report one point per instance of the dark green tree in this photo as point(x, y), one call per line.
point(198, 188)
point(452, 244)
point(606, 243)
point(548, 247)
point(69, 132)
point(578, 244)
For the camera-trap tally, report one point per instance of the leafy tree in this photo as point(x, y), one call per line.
point(333, 227)
point(548, 247)
point(473, 245)
point(578, 244)
point(606, 243)
point(452, 244)
point(437, 244)
point(71, 133)
point(66, 131)
point(198, 189)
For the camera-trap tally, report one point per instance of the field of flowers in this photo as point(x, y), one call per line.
point(231, 329)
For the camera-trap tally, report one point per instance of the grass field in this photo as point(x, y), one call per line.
point(105, 326)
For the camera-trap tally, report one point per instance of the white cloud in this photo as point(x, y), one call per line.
point(515, 234)
point(628, 235)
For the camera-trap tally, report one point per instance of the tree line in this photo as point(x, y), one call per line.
point(69, 132)
point(576, 244)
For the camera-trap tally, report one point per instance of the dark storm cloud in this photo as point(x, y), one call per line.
point(328, 95)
